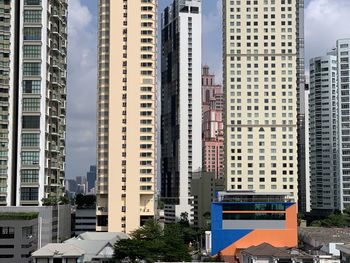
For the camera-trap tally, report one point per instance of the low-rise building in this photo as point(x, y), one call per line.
point(54, 221)
point(241, 219)
point(18, 236)
point(323, 241)
point(266, 253)
point(94, 247)
point(85, 220)
point(344, 253)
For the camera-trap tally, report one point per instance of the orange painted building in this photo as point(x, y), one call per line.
point(244, 219)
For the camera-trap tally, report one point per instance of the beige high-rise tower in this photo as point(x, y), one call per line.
point(262, 53)
point(126, 150)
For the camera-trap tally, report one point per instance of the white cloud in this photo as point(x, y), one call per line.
point(325, 22)
point(82, 75)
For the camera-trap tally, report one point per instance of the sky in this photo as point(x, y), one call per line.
point(325, 21)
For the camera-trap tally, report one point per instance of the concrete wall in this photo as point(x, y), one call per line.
point(19, 248)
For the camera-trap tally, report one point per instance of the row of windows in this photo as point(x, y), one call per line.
point(29, 176)
point(32, 51)
point(31, 105)
point(32, 16)
point(29, 194)
point(259, 216)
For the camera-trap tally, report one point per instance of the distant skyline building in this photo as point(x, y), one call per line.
point(32, 101)
point(212, 124)
point(323, 112)
point(91, 177)
point(126, 119)
point(262, 51)
point(181, 114)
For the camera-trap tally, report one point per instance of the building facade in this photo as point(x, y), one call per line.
point(33, 101)
point(241, 219)
point(126, 144)
point(343, 53)
point(304, 179)
point(261, 48)
point(181, 114)
point(85, 220)
point(18, 237)
point(53, 222)
point(323, 107)
point(204, 186)
point(212, 124)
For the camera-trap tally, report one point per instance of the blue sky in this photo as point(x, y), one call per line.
point(325, 21)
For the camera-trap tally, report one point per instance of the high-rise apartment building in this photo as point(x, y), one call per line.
point(181, 120)
point(323, 107)
point(212, 124)
point(126, 145)
point(33, 41)
point(304, 180)
point(329, 116)
point(343, 53)
point(261, 78)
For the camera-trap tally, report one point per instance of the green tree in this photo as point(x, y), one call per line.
point(175, 249)
point(150, 243)
point(85, 200)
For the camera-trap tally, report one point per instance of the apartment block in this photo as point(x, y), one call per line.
point(32, 100)
point(212, 124)
point(329, 115)
point(126, 138)
point(343, 53)
point(323, 107)
point(261, 52)
point(181, 114)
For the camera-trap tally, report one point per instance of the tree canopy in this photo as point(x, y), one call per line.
point(151, 243)
point(334, 220)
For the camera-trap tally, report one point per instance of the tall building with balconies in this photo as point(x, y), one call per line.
point(126, 129)
point(33, 52)
point(261, 78)
point(323, 134)
point(343, 53)
point(181, 120)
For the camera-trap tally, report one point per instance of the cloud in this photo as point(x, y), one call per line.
point(325, 22)
point(82, 82)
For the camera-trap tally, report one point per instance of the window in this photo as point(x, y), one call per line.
point(31, 122)
point(31, 105)
point(31, 69)
point(31, 51)
point(7, 232)
point(29, 194)
point(29, 176)
point(32, 16)
point(32, 33)
point(30, 158)
point(31, 86)
point(32, 2)
point(30, 140)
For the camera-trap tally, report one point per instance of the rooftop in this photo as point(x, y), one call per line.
point(325, 235)
point(252, 196)
point(268, 251)
point(89, 245)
